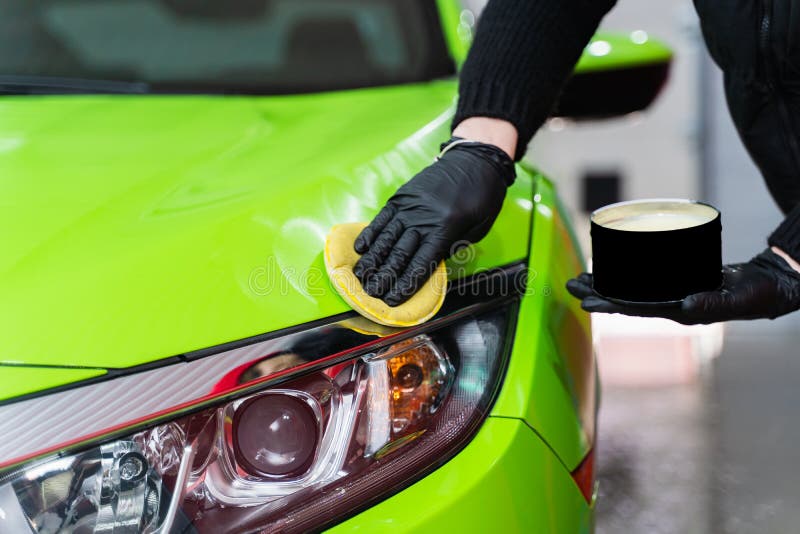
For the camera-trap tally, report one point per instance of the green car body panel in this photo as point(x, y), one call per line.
point(505, 480)
point(551, 379)
point(148, 227)
point(145, 227)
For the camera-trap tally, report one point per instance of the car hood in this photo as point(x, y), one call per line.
point(141, 227)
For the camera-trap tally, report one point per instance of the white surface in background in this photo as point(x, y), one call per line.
point(637, 351)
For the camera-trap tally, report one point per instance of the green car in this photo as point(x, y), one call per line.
point(172, 355)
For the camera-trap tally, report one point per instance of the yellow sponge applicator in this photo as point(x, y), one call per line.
point(340, 258)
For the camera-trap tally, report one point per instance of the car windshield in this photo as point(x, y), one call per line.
point(216, 46)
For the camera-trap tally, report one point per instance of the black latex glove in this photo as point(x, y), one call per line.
point(447, 205)
point(764, 287)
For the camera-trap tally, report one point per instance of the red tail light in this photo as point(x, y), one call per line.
point(584, 476)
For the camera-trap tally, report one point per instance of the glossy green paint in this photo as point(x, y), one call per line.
point(551, 381)
point(145, 227)
point(610, 51)
point(457, 31)
point(505, 480)
point(17, 380)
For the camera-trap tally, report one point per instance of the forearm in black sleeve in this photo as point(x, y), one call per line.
point(787, 236)
point(523, 52)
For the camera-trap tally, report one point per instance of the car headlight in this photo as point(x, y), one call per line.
point(284, 442)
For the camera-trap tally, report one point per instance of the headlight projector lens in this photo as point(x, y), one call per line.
point(275, 435)
point(656, 251)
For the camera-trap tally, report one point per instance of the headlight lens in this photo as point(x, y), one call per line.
point(293, 457)
point(276, 435)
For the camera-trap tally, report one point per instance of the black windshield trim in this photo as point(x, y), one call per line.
point(10, 84)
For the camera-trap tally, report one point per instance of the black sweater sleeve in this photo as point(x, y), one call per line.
point(787, 236)
point(523, 52)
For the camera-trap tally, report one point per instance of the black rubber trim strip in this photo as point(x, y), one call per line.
point(48, 366)
point(258, 338)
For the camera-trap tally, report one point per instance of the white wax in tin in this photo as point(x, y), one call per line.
point(656, 222)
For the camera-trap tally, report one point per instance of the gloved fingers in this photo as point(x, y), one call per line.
point(597, 304)
point(479, 231)
point(368, 264)
point(417, 273)
point(581, 286)
point(372, 231)
point(734, 274)
point(395, 264)
point(710, 307)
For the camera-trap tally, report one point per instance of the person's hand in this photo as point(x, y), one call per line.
point(765, 287)
point(448, 204)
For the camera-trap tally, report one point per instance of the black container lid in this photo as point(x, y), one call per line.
point(656, 250)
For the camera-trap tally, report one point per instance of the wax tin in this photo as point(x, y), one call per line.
point(656, 250)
